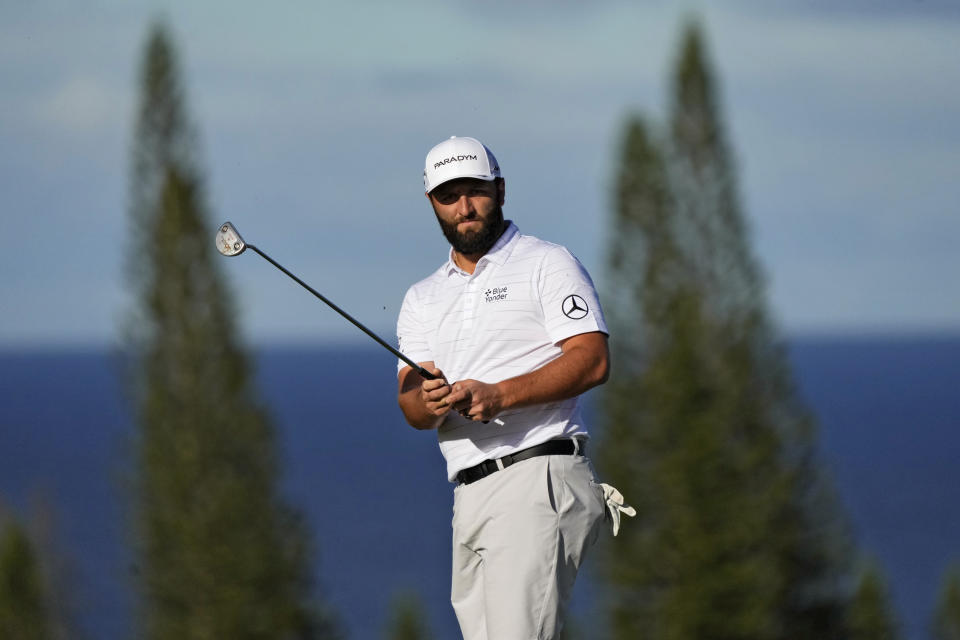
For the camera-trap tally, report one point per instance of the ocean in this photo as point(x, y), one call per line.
point(374, 490)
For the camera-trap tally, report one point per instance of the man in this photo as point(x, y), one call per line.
point(513, 330)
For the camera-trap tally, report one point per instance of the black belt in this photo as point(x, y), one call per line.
point(549, 448)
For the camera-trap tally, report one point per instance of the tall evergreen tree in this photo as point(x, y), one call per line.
point(946, 620)
point(737, 534)
point(24, 614)
point(408, 620)
point(220, 554)
point(871, 616)
point(36, 586)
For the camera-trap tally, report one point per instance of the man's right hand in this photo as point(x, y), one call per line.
point(422, 401)
point(434, 393)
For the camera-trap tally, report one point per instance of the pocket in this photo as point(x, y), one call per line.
point(594, 484)
point(552, 485)
point(453, 507)
point(600, 499)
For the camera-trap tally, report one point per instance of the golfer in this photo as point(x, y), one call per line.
point(512, 327)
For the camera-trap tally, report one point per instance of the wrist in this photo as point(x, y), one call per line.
point(505, 393)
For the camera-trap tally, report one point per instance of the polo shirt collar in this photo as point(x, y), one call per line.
point(497, 254)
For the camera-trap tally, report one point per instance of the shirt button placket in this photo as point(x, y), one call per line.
point(469, 295)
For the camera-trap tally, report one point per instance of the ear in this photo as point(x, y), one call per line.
point(501, 191)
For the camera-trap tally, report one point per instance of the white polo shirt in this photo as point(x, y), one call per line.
point(503, 320)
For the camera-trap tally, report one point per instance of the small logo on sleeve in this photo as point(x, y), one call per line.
point(574, 307)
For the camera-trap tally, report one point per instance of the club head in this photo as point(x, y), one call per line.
point(229, 242)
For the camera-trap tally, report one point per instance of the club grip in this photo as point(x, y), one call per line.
point(426, 375)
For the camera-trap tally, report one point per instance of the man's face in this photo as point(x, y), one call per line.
point(470, 213)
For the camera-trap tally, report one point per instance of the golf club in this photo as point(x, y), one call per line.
point(230, 243)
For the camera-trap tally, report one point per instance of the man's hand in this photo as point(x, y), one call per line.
point(584, 363)
point(476, 400)
point(435, 395)
point(422, 401)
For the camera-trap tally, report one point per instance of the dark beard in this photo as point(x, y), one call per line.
point(475, 242)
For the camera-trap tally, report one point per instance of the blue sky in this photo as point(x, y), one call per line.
point(314, 119)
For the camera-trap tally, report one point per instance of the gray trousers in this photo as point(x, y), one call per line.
point(519, 537)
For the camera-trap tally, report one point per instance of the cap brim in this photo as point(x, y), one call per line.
point(485, 178)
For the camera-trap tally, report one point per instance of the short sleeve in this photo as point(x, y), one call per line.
point(567, 296)
point(411, 333)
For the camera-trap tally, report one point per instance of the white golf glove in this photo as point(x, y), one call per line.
point(616, 506)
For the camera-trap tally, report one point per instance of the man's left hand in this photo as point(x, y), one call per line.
point(476, 400)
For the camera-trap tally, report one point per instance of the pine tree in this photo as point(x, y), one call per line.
point(37, 590)
point(220, 554)
point(870, 616)
point(737, 534)
point(24, 613)
point(408, 621)
point(946, 621)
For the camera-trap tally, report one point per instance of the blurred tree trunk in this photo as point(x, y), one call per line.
point(221, 555)
point(738, 535)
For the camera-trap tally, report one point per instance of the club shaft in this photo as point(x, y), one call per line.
point(423, 372)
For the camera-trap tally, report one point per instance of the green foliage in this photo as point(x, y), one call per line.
point(946, 620)
point(574, 629)
point(737, 534)
point(870, 616)
point(408, 620)
point(23, 601)
point(221, 555)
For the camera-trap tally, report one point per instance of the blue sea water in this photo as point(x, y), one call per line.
point(375, 493)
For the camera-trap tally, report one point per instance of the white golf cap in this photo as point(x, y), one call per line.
point(459, 157)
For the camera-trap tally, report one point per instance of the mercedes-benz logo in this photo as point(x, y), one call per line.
point(574, 307)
